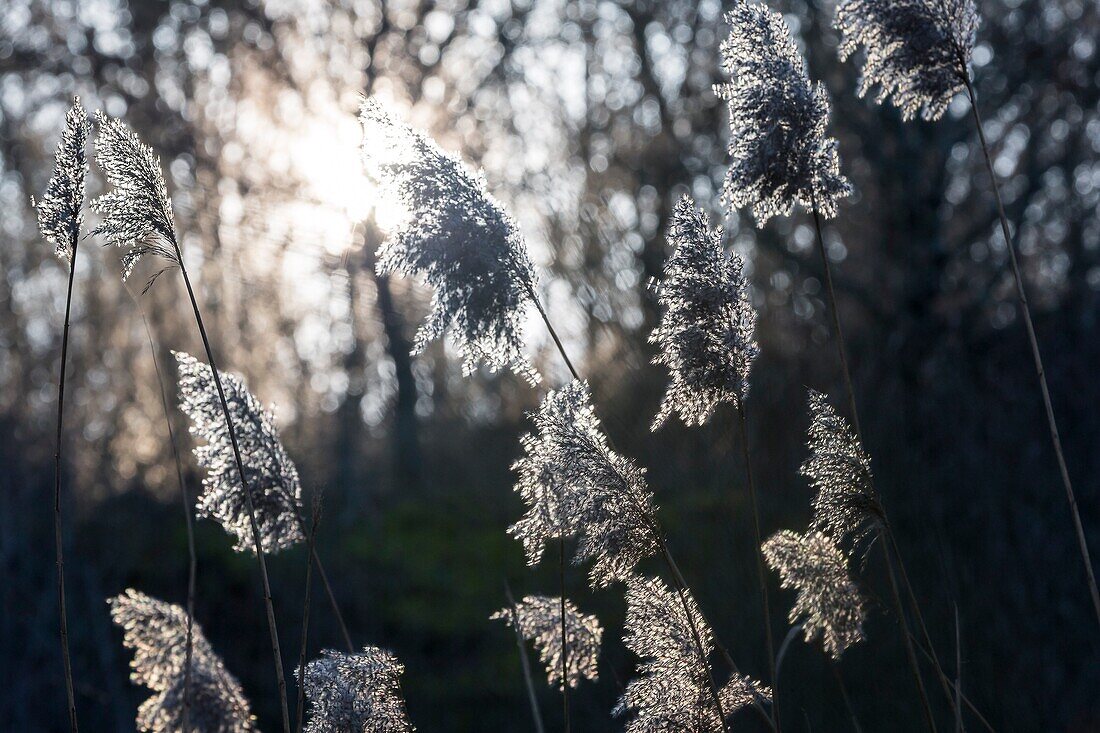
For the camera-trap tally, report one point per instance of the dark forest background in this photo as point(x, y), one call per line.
point(590, 118)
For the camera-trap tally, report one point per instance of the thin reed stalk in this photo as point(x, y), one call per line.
point(838, 331)
point(528, 679)
point(847, 700)
point(564, 637)
point(553, 333)
point(842, 355)
point(945, 683)
point(785, 645)
point(681, 592)
point(59, 550)
point(332, 599)
point(761, 575)
point(301, 702)
point(907, 638)
point(959, 728)
point(1036, 356)
point(959, 693)
point(258, 546)
point(561, 540)
point(316, 559)
point(185, 500)
point(678, 580)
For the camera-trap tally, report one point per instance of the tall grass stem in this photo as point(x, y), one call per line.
point(1036, 356)
point(59, 550)
point(185, 500)
point(678, 579)
point(842, 355)
point(564, 636)
point(301, 702)
point(528, 678)
point(761, 575)
point(257, 545)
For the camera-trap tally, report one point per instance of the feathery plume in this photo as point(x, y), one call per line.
point(355, 692)
point(672, 691)
point(917, 52)
point(778, 117)
point(269, 473)
point(137, 214)
point(157, 633)
point(538, 620)
point(816, 567)
point(59, 211)
point(457, 237)
point(59, 219)
point(706, 333)
point(574, 485)
point(840, 471)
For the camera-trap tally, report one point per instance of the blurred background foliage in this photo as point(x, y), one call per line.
point(590, 118)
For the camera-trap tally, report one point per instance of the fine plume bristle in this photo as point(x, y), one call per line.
point(778, 118)
point(457, 237)
point(270, 474)
point(538, 620)
point(916, 52)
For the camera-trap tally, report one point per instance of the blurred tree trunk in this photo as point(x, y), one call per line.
point(405, 436)
point(349, 418)
point(406, 439)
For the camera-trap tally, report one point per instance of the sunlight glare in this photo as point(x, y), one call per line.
point(326, 156)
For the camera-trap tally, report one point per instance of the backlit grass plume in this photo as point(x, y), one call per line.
point(917, 52)
point(269, 473)
point(355, 692)
point(574, 485)
point(59, 218)
point(60, 211)
point(706, 332)
point(157, 633)
point(454, 235)
point(778, 118)
point(136, 213)
point(673, 689)
point(827, 598)
point(538, 620)
point(839, 470)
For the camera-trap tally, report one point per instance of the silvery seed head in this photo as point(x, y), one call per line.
point(157, 633)
point(136, 213)
point(706, 332)
point(917, 52)
point(778, 117)
point(538, 620)
point(839, 471)
point(574, 485)
point(827, 598)
point(59, 211)
point(672, 691)
point(270, 474)
point(355, 693)
point(454, 235)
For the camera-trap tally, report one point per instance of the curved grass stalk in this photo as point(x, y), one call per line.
point(680, 589)
point(528, 680)
point(838, 338)
point(59, 550)
point(561, 540)
point(192, 564)
point(761, 575)
point(680, 584)
point(258, 546)
point(1036, 356)
point(312, 538)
